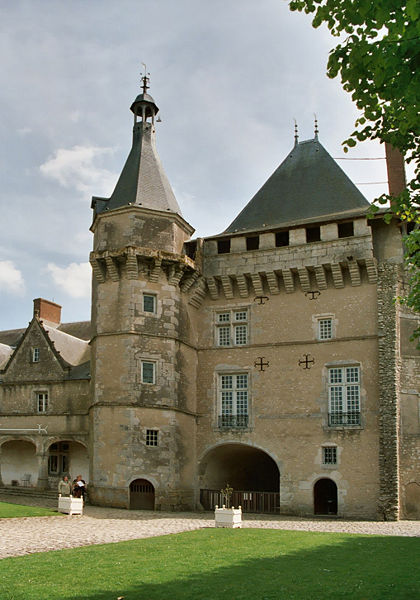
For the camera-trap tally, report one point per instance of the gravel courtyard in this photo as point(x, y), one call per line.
point(106, 525)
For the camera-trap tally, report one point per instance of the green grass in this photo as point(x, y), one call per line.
point(8, 510)
point(219, 564)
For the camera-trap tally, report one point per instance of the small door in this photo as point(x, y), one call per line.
point(325, 497)
point(142, 495)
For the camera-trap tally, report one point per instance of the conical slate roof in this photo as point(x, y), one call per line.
point(308, 184)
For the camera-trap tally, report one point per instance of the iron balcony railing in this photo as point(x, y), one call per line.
point(344, 418)
point(233, 421)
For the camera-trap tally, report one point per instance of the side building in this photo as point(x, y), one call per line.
point(271, 357)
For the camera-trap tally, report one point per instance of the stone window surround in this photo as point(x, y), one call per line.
point(342, 365)
point(324, 452)
point(232, 324)
point(35, 354)
point(315, 325)
point(218, 395)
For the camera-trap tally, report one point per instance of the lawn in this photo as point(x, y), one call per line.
point(7, 511)
point(222, 564)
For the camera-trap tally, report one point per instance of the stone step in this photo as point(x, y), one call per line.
point(9, 490)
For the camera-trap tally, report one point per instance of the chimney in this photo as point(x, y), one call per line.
point(396, 170)
point(47, 311)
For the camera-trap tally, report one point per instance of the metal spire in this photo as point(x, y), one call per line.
point(316, 127)
point(145, 79)
point(296, 133)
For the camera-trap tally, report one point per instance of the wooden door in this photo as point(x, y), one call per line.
point(325, 497)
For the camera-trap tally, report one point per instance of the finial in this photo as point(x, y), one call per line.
point(145, 79)
point(296, 133)
point(316, 127)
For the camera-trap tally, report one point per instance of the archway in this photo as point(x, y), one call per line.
point(412, 500)
point(251, 472)
point(66, 457)
point(325, 497)
point(142, 495)
point(19, 463)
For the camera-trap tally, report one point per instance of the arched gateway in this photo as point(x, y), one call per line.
point(251, 472)
point(325, 497)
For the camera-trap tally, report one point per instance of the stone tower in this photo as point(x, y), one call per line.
point(142, 440)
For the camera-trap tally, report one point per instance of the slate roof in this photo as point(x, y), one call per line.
point(143, 181)
point(307, 185)
point(73, 350)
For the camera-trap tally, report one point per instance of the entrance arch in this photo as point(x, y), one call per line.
point(142, 495)
point(19, 463)
point(325, 497)
point(251, 472)
point(67, 457)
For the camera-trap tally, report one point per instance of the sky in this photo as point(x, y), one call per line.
point(229, 78)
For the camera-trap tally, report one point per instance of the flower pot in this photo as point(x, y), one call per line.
point(70, 505)
point(228, 517)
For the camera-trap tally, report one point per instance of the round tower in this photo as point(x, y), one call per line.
point(143, 347)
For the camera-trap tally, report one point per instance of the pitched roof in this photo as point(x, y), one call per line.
point(307, 185)
point(143, 181)
point(73, 350)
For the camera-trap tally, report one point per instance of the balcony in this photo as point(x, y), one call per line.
point(233, 421)
point(344, 419)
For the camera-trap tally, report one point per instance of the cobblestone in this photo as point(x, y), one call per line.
point(100, 525)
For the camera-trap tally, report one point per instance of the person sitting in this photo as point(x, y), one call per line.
point(64, 486)
point(79, 487)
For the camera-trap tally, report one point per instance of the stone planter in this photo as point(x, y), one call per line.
point(70, 505)
point(228, 517)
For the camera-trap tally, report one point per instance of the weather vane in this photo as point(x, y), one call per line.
point(316, 127)
point(296, 132)
point(145, 78)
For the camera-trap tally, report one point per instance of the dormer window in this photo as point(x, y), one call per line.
point(35, 355)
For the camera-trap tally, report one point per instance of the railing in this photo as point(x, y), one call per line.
point(251, 502)
point(342, 418)
point(233, 421)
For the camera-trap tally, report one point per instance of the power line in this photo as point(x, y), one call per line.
point(345, 158)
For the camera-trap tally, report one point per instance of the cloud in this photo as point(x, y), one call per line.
point(75, 167)
point(11, 279)
point(74, 279)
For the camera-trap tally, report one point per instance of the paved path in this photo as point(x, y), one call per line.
point(106, 525)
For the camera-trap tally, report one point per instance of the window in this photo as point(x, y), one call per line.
point(329, 455)
point(232, 328)
point(345, 229)
point(148, 370)
point(149, 303)
point(35, 355)
point(151, 437)
point(223, 246)
point(252, 243)
point(42, 401)
point(325, 329)
point(313, 234)
point(233, 400)
point(58, 459)
point(344, 396)
point(282, 239)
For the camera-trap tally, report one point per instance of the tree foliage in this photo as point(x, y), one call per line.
point(378, 60)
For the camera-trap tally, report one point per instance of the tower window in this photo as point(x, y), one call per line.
point(152, 437)
point(253, 243)
point(345, 229)
point(149, 303)
point(223, 246)
point(148, 372)
point(329, 455)
point(313, 234)
point(282, 239)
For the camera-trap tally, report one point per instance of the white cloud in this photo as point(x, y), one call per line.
point(75, 167)
point(11, 279)
point(74, 279)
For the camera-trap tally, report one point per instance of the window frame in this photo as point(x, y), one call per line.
point(152, 438)
point(232, 331)
point(35, 354)
point(235, 416)
point(332, 450)
point(344, 390)
point(320, 336)
point(154, 299)
point(142, 378)
point(42, 396)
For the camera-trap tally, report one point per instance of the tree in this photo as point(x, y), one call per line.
point(378, 60)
